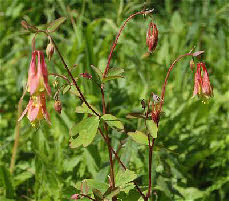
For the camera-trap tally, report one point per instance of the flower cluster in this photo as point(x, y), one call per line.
point(38, 88)
point(202, 86)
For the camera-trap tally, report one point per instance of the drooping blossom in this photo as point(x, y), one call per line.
point(152, 37)
point(38, 88)
point(38, 75)
point(202, 85)
point(36, 109)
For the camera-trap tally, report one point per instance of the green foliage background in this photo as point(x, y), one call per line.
point(191, 159)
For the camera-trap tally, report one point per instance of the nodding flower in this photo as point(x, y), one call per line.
point(202, 85)
point(38, 75)
point(152, 37)
point(36, 109)
point(38, 88)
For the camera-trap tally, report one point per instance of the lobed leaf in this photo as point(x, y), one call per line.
point(86, 129)
point(113, 121)
point(139, 137)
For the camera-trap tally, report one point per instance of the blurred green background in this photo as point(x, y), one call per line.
point(191, 156)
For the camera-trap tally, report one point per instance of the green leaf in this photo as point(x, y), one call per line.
point(97, 71)
point(86, 129)
point(110, 193)
point(6, 180)
point(22, 177)
point(123, 178)
point(115, 71)
point(105, 79)
point(84, 109)
point(53, 26)
point(190, 193)
point(139, 137)
point(152, 127)
point(112, 121)
point(93, 184)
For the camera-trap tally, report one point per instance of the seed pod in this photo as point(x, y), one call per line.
point(58, 106)
point(152, 37)
point(50, 50)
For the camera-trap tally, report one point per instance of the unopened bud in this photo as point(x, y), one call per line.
point(192, 64)
point(50, 50)
point(152, 37)
point(58, 106)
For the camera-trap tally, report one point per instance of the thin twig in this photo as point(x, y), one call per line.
point(167, 76)
point(119, 33)
point(73, 79)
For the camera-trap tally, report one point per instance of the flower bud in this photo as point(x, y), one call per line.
point(50, 50)
point(58, 106)
point(152, 37)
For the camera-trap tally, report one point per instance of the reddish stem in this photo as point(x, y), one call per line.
point(167, 77)
point(117, 37)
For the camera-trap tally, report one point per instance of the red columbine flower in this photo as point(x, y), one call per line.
point(152, 37)
point(38, 75)
point(38, 87)
point(36, 109)
point(202, 86)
